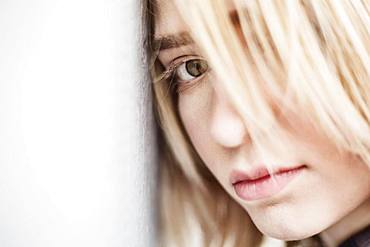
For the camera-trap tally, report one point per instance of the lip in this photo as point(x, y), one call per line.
point(259, 184)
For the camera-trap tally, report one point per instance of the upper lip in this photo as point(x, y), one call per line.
point(258, 173)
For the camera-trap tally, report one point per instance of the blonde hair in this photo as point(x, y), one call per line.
point(313, 56)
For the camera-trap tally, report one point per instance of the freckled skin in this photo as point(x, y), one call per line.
point(332, 187)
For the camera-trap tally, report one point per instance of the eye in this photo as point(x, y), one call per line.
point(191, 69)
point(185, 72)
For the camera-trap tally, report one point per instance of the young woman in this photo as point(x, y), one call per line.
point(264, 108)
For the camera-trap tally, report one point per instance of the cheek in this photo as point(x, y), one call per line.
point(195, 110)
point(334, 184)
point(341, 177)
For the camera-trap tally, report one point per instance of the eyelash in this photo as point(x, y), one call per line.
point(172, 73)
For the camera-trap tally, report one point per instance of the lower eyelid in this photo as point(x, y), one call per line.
point(185, 86)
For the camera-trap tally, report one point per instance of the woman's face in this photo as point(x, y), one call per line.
point(314, 184)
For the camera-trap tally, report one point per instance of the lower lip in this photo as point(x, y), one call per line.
point(266, 186)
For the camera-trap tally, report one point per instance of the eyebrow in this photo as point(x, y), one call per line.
point(184, 38)
point(173, 41)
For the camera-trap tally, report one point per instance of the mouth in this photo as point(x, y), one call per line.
point(260, 184)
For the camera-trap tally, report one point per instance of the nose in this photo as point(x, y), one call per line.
point(227, 127)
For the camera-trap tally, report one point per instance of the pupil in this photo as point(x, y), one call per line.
point(196, 67)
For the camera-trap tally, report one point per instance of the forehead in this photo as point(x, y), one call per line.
point(168, 18)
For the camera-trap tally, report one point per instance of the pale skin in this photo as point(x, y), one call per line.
point(331, 196)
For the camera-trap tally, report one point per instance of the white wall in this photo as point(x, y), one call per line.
point(77, 156)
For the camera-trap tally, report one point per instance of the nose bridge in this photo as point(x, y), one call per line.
point(227, 127)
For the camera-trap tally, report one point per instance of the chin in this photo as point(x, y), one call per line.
point(286, 224)
point(288, 233)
